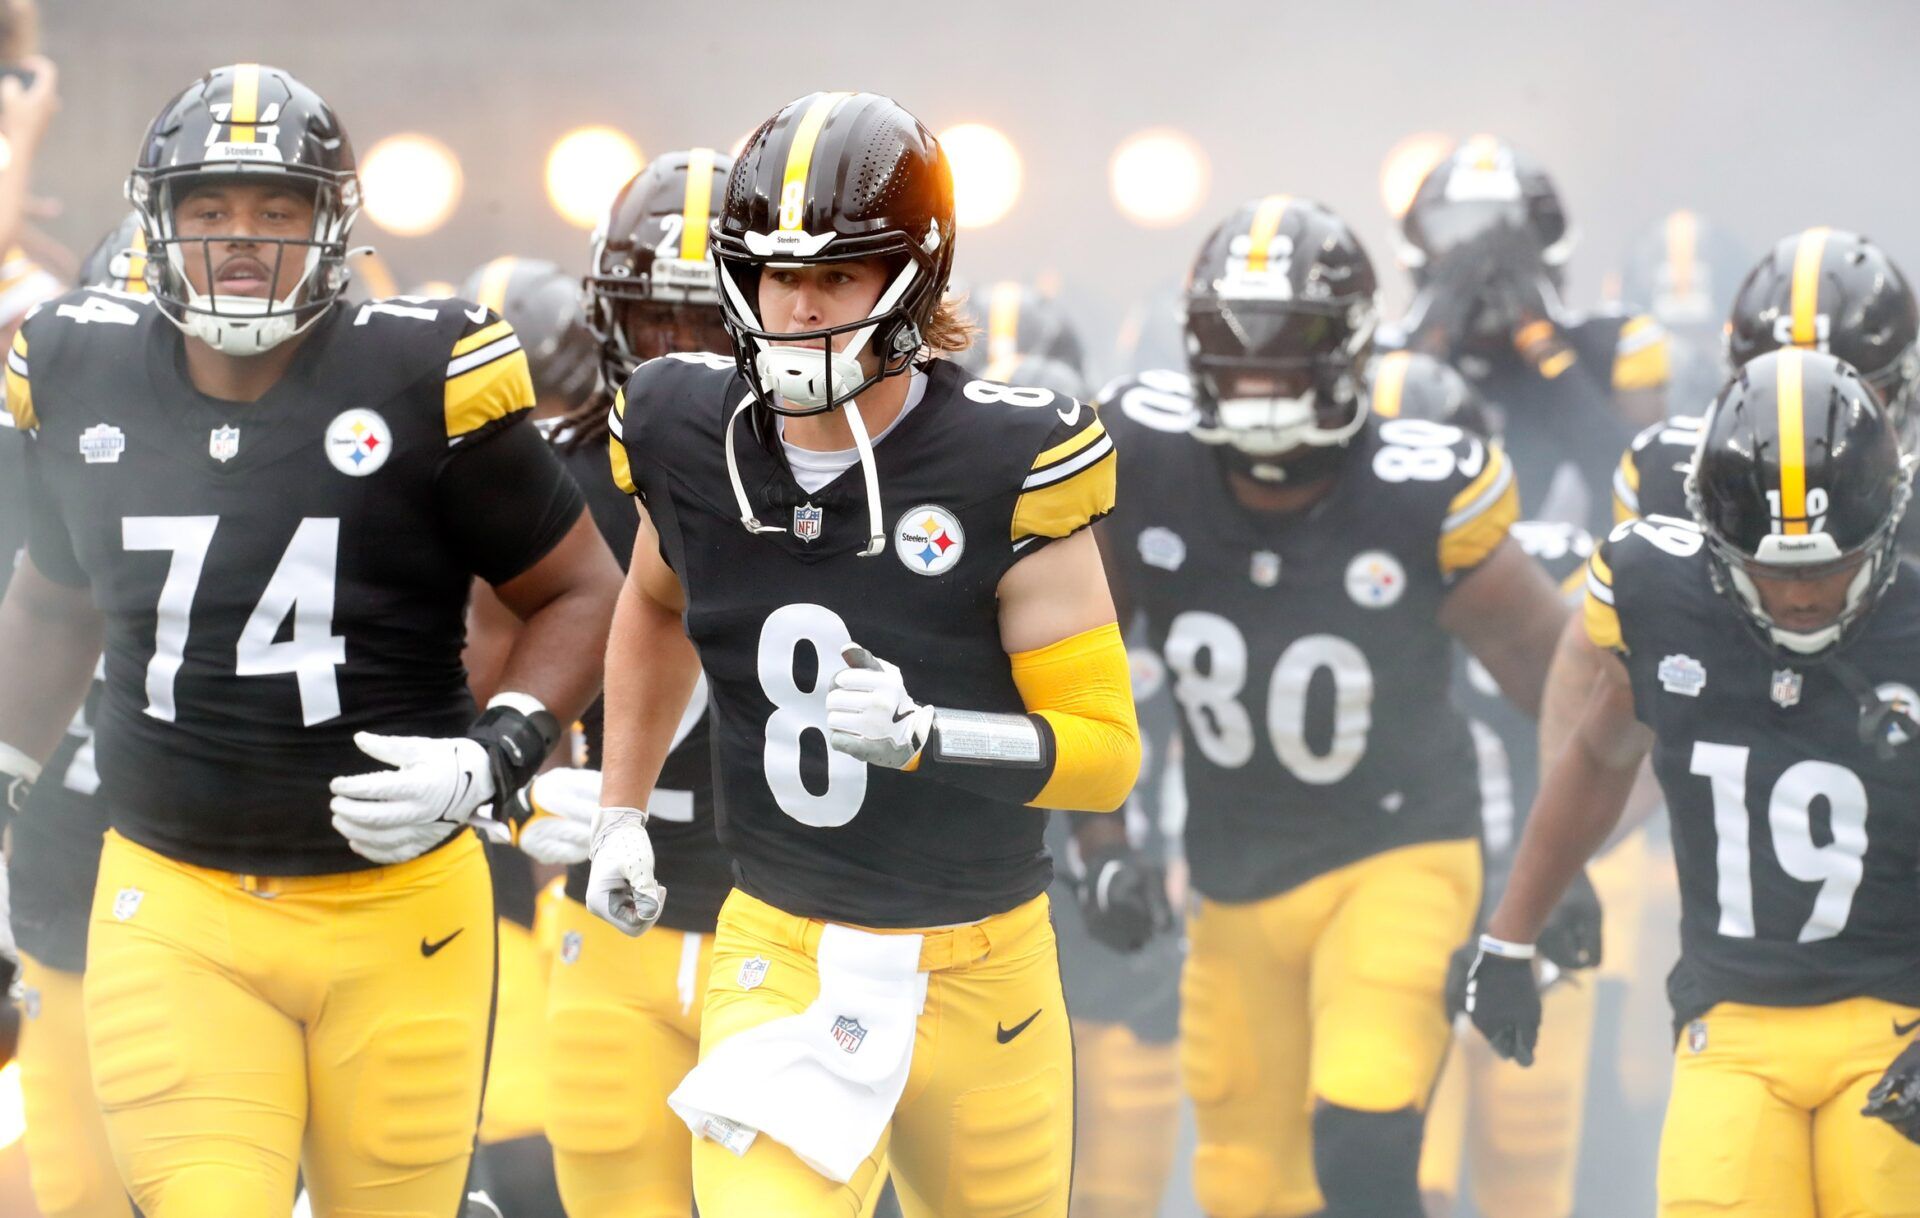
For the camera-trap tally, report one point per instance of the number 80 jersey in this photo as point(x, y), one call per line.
point(1304, 650)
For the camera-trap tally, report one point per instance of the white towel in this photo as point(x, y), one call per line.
point(824, 1083)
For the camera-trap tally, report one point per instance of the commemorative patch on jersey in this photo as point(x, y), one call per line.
point(929, 540)
point(102, 444)
point(1683, 675)
point(223, 443)
point(358, 442)
point(1162, 548)
point(1375, 579)
point(1785, 688)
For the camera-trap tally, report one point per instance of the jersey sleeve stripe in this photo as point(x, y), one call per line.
point(1482, 493)
point(484, 396)
point(622, 468)
point(1483, 513)
point(19, 391)
point(499, 349)
point(1642, 359)
point(617, 415)
point(1101, 446)
point(1073, 444)
point(1071, 501)
point(481, 337)
point(1626, 489)
point(1602, 621)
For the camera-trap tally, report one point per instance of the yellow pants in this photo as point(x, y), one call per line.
point(1332, 992)
point(985, 1126)
point(336, 1024)
point(516, 1100)
point(623, 1028)
point(1126, 1118)
point(68, 1159)
point(1765, 1119)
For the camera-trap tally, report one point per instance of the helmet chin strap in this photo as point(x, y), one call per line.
point(870, 475)
point(1808, 642)
point(244, 325)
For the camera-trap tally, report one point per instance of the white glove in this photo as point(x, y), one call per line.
point(621, 888)
point(561, 827)
point(390, 816)
point(871, 716)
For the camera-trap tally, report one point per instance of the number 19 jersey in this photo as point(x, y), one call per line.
point(1304, 650)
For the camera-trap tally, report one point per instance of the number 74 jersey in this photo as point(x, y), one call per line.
point(1797, 841)
point(1304, 650)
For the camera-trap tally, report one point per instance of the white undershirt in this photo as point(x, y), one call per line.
point(813, 469)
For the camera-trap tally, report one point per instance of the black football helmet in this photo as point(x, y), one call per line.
point(119, 260)
point(542, 304)
point(246, 120)
point(1019, 321)
point(1835, 291)
point(1411, 385)
point(651, 288)
point(1799, 474)
point(1281, 306)
point(1483, 186)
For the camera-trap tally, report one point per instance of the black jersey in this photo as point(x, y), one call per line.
point(688, 859)
point(277, 575)
point(1303, 649)
point(1798, 846)
point(972, 478)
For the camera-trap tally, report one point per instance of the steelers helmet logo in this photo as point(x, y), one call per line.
point(1375, 579)
point(358, 442)
point(929, 539)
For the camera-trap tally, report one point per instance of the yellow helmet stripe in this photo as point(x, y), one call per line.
point(1003, 323)
point(1793, 441)
point(697, 209)
point(493, 283)
point(1806, 285)
point(1266, 222)
point(793, 186)
point(1389, 380)
point(1683, 238)
point(1483, 151)
point(246, 103)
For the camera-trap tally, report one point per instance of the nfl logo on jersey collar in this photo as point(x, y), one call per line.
point(1265, 569)
point(102, 444)
point(928, 539)
point(1786, 688)
point(1683, 675)
point(223, 444)
point(807, 520)
point(358, 442)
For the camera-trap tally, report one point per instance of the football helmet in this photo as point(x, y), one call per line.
point(119, 261)
point(1411, 385)
point(542, 304)
point(1281, 307)
point(1019, 321)
point(1838, 292)
point(651, 288)
point(246, 121)
point(1483, 186)
point(1799, 474)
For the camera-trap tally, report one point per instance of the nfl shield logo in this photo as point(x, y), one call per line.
point(1265, 570)
point(848, 1033)
point(1697, 1036)
point(1786, 688)
point(127, 903)
point(224, 443)
point(570, 947)
point(806, 522)
point(753, 972)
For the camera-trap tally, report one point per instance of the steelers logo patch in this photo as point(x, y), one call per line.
point(358, 442)
point(1375, 579)
point(929, 539)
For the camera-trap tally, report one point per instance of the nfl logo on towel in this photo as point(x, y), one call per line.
point(806, 522)
point(847, 1033)
point(224, 443)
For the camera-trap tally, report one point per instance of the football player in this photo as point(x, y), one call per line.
point(1683, 270)
point(269, 504)
point(1019, 323)
point(1304, 568)
point(1765, 653)
point(1486, 239)
point(883, 568)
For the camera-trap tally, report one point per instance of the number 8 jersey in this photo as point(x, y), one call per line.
point(1303, 649)
point(276, 575)
point(973, 476)
point(1797, 845)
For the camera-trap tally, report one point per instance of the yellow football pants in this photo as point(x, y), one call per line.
point(68, 1159)
point(623, 1028)
point(336, 1024)
point(1332, 992)
point(1765, 1119)
point(516, 1101)
point(985, 1126)
point(1126, 1117)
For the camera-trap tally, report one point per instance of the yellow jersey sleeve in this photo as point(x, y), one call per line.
point(1643, 357)
point(488, 380)
point(1071, 483)
point(1479, 515)
point(19, 390)
point(616, 444)
point(1626, 488)
point(1602, 619)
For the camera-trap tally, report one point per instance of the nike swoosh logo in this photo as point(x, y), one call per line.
point(1901, 1029)
point(903, 716)
point(1070, 419)
point(1004, 1034)
point(428, 949)
point(477, 314)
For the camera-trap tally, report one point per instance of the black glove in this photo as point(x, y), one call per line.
point(1571, 937)
point(1504, 1002)
point(1123, 896)
point(1895, 1099)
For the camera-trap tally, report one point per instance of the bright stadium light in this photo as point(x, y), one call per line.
point(409, 184)
point(986, 173)
point(13, 1106)
point(1159, 177)
point(586, 168)
point(1407, 165)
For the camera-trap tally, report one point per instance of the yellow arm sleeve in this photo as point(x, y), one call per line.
point(1083, 687)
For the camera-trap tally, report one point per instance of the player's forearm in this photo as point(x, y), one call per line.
point(556, 657)
point(1570, 681)
point(49, 641)
point(1578, 807)
point(651, 670)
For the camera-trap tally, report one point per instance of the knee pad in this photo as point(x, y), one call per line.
point(1014, 1145)
point(214, 1192)
point(418, 1099)
point(598, 1100)
point(1233, 1181)
point(134, 1034)
point(1367, 1162)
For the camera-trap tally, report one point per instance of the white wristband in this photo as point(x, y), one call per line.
point(1509, 951)
point(526, 704)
